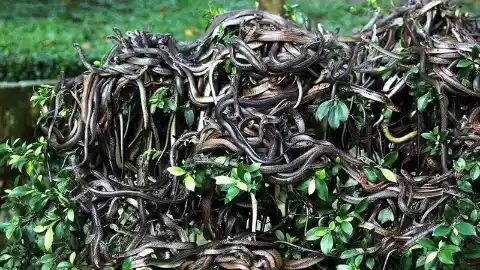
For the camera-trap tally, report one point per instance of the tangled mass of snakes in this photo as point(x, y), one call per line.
point(263, 141)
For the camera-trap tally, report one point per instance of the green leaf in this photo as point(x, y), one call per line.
point(224, 180)
point(456, 239)
point(280, 236)
point(304, 185)
point(429, 136)
point(326, 244)
point(70, 215)
point(247, 177)
point(310, 235)
point(385, 215)
point(343, 267)
point(19, 191)
point(72, 256)
point(474, 215)
point(322, 174)
point(475, 172)
point(448, 214)
point(242, 186)
point(39, 228)
point(347, 228)
point(322, 110)
point(17, 162)
point(47, 266)
point(322, 190)
point(465, 228)
point(63, 265)
point(46, 258)
point(48, 241)
point(335, 170)
point(127, 264)
point(315, 233)
point(311, 187)
point(320, 231)
point(240, 170)
point(371, 176)
point(5, 257)
point(445, 256)
point(370, 263)
point(337, 160)
point(431, 256)
point(10, 231)
point(386, 75)
point(172, 105)
point(442, 230)
point(360, 207)
point(331, 225)
point(232, 192)
point(351, 253)
point(427, 243)
point(389, 175)
point(387, 113)
point(177, 171)
point(460, 164)
point(358, 260)
point(253, 167)
point(341, 111)
point(464, 63)
point(451, 248)
point(390, 158)
point(189, 183)
point(420, 261)
point(290, 239)
point(189, 116)
point(344, 208)
point(465, 186)
point(422, 102)
point(333, 120)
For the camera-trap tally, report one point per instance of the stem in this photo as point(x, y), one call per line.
point(254, 212)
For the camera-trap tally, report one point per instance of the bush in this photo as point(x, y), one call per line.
point(271, 179)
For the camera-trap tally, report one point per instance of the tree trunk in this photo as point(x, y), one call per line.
point(272, 6)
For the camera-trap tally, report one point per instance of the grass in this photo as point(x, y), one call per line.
point(36, 38)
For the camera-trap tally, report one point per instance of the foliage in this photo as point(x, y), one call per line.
point(336, 111)
point(469, 169)
point(163, 99)
point(375, 172)
point(433, 141)
point(43, 230)
point(469, 67)
point(447, 245)
point(241, 178)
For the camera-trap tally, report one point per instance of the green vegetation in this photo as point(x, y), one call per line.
point(36, 38)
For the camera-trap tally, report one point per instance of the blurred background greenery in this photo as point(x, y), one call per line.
point(36, 37)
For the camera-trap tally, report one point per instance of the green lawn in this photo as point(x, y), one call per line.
point(36, 38)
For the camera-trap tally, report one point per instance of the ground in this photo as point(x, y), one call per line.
point(36, 38)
